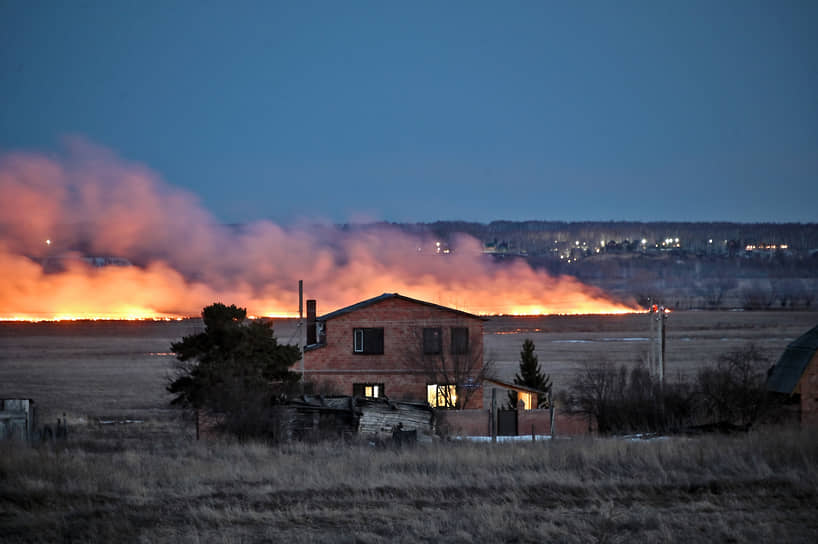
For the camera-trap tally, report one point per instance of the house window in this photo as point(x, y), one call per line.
point(432, 341)
point(529, 400)
point(460, 340)
point(368, 340)
point(371, 390)
point(441, 396)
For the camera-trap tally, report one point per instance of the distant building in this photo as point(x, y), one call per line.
point(397, 347)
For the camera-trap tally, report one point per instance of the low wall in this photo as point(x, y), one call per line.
point(477, 423)
point(462, 422)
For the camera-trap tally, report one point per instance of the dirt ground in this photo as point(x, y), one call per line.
point(112, 372)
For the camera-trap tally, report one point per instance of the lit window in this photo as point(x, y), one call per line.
point(441, 396)
point(371, 390)
point(529, 400)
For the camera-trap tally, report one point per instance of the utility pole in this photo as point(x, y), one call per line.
point(493, 417)
point(301, 327)
point(658, 316)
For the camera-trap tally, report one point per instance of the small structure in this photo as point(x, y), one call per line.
point(316, 416)
point(373, 418)
point(397, 347)
point(796, 373)
point(18, 419)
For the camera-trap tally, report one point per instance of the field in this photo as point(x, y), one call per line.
point(131, 470)
point(114, 371)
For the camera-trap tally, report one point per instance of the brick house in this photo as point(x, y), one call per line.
point(796, 375)
point(397, 347)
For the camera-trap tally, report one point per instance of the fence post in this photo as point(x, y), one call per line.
point(494, 414)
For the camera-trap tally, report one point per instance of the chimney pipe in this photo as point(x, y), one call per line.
point(311, 315)
point(300, 299)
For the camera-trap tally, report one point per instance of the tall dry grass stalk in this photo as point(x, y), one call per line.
point(746, 488)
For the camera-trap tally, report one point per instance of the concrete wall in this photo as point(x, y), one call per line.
point(401, 366)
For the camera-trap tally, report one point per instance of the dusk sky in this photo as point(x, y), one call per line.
point(418, 111)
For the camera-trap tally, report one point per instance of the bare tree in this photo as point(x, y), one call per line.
point(733, 391)
point(619, 399)
point(450, 361)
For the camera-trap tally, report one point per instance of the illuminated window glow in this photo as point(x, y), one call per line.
point(441, 396)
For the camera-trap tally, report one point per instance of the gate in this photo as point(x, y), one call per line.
point(506, 422)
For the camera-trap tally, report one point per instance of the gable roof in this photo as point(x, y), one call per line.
point(793, 362)
point(387, 296)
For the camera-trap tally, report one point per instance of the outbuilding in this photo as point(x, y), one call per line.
point(796, 374)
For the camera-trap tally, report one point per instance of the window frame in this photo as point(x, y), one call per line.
point(359, 390)
point(458, 347)
point(363, 339)
point(432, 335)
point(449, 403)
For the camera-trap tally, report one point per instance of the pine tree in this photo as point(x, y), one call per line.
point(230, 361)
point(530, 375)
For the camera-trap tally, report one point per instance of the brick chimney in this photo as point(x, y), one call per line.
point(311, 333)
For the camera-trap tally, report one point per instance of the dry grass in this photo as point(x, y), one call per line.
point(732, 489)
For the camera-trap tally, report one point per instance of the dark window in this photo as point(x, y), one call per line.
point(369, 340)
point(460, 340)
point(432, 341)
point(372, 390)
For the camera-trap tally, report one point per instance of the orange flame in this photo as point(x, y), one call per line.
point(184, 261)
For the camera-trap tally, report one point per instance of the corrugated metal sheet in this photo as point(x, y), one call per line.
point(793, 362)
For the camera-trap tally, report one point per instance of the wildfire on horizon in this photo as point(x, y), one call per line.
point(183, 260)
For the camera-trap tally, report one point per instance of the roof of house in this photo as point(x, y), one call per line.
point(515, 387)
point(793, 362)
point(387, 296)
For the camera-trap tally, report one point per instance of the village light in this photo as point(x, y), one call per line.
point(48, 242)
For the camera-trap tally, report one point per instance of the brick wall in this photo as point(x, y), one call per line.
point(476, 423)
point(808, 386)
point(400, 367)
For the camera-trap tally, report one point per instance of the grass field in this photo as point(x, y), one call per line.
point(132, 471)
point(752, 488)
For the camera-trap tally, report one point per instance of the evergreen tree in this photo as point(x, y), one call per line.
point(530, 375)
point(231, 361)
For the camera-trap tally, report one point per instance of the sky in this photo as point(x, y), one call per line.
point(419, 111)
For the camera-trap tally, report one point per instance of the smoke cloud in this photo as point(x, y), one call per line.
point(55, 212)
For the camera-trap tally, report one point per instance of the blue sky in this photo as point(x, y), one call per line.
point(417, 111)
